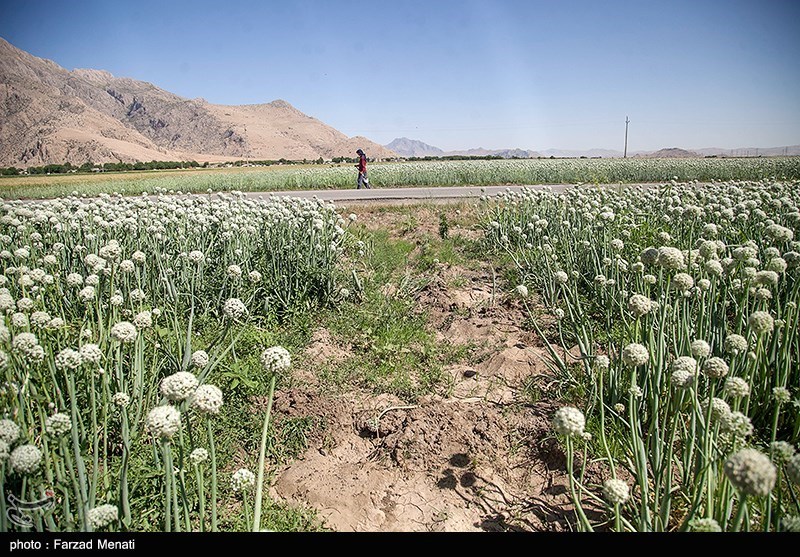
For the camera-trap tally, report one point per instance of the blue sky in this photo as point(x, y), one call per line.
point(475, 73)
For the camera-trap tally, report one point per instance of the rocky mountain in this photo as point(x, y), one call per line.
point(413, 148)
point(52, 115)
point(668, 153)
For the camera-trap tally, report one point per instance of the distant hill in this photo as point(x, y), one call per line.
point(51, 115)
point(402, 146)
point(413, 148)
point(669, 153)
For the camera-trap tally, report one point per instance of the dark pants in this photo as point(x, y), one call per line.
point(362, 181)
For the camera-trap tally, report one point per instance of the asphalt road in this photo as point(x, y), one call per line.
point(453, 193)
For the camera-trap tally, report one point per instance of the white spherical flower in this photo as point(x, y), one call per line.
point(736, 387)
point(138, 257)
point(5, 452)
point(234, 272)
point(102, 516)
point(735, 344)
point(569, 421)
point(25, 459)
point(58, 424)
point(700, 349)
point(254, 276)
point(36, 354)
point(112, 250)
point(639, 305)
point(751, 472)
point(790, 523)
point(6, 302)
point(682, 282)
point(137, 295)
point(619, 408)
point(276, 359)
point(4, 359)
point(777, 265)
point(737, 424)
point(127, 266)
point(92, 280)
point(121, 399)
point(74, 280)
point(704, 285)
point(200, 358)
point(40, 319)
point(781, 395)
point(521, 290)
point(704, 525)
point(715, 367)
point(207, 399)
point(24, 343)
point(234, 308)
point(708, 249)
point(91, 353)
point(649, 279)
point(20, 321)
point(670, 258)
point(196, 256)
point(242, 480)
point(601, 362)
point(684, 369)
point(761, 322)
point(116, 300)
point(49, 260)
point(143, 320)
point(719, 408)
point(782, 452)
point(793, 469)
point(164, 421)
point(179, 386)
point(766, 278)
point(68, 359)
point(713, 268)
point(616, 491)
point(198, 456)
point(87, 293)
point(635, 355)
point(560, 277)
point(25, 304)
point(9, 431)
point(124, 332)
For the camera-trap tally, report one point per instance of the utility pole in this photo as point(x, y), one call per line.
point(625, 153)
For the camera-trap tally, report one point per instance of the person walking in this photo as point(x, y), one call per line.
point(362, 171)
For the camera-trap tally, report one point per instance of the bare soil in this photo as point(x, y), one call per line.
point(477, 457)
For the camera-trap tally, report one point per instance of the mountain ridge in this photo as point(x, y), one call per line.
point(52, 115)
point(423, 149)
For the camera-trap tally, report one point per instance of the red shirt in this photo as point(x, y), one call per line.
point(362, 164)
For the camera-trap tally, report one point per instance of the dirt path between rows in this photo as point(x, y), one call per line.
point(480, 456)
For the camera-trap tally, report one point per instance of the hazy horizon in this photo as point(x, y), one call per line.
point(458, 75)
